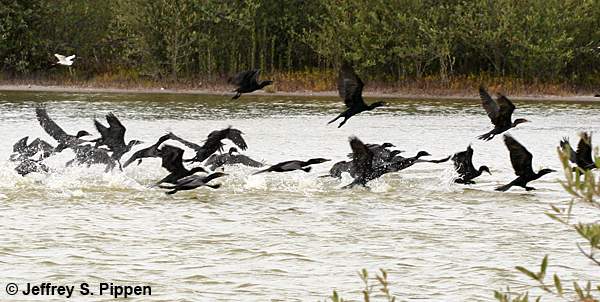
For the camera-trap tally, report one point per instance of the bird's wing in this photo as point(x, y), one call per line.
point(566, 147)
point(520, 158)
point(243, 159)
point(460, 160)
point(506, 110)
point(243, 77)
point(362, 157)
point(104, 132)
point(186, 143)
point(59, 57)
point(41, 145)
point(69, 58)
point(490, 106)
point(235, 136)
point(137, 155)
point(255, 74)
point(115, 125)
point(172, 158)
point(50, 126)
point(20, 145)
point(470, 158)
point(584, 150)
point(350, 87)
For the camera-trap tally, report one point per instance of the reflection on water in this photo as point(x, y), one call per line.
point(287, 237)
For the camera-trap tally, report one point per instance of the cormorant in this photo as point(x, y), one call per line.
point(520, 159)
point(350, 89)
point(192, 182)
point(213, 143)
point(113, 137)
point(340, 167)
point(293, 165)
point(28, 165)
point(22, 150)
point(218, 160)
point(247, 81)
point(152, 151)
point(500, 113)
point(172, 160)
point(583, 156)
point(90, 155)
point(58, 133)
point(463, 164)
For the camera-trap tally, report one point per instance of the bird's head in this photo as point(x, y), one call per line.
point(233, 150)
point(82, 133)
point(133, 143)
point(217, 175)
point(395, 152)
point(377, 104)
point(422, 153)
point(546, 171)
point(520, 121)
point(387, 145)
point(265, 83)
point(485, 168)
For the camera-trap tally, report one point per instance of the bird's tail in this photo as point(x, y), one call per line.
point(435, 161)
point(335, 119)
point(486, 137)
point(236, 96)
point(504, 188)
point(171, 192)
point(307, 169)
point(261, 171)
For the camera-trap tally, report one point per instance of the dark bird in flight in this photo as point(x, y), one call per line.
point(90, 155)
point(213, 143)
point(22, 150)
point(463, 164)
point(152, 151)
point(172, 161)
point(500, 113)
point(246, 82)
point(350, 89)
point(58, 133)
point(583, 156)
point(365, 169)
point(520, 159)
point(192, 182)
point(231, 158)
point(293, 165)
point(28, 165)
point(113, 137)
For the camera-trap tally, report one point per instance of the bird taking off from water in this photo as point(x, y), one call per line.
point(66, 61)
point(500, 113)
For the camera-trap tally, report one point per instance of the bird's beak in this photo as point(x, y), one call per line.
point(490, 173)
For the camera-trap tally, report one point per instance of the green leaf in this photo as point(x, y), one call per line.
point(543, 267)
point(558, 285)
point(527, 272)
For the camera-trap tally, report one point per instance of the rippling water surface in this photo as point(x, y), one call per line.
point(292, 236)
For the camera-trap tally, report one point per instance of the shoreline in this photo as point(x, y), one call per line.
point(306, 93)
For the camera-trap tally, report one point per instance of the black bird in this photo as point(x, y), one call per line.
point(229, 158)
point(520, 159)
point(90, 155)
point(28, 165)
point(58, 133)
point(113, 137)
point(247, 81)
point(463, 164)
point(293, 165)
point(192, 182)
point(340, 167)
point(213, 143)
point(500, 113)
point(583, 156)
point(350, 88)
point(172, 160)
point(152, 151)
point(22, 150)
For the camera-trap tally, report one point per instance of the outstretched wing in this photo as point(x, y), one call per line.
point(244, 77)
point(506, 110)
point(20, 145)
point(172, 158)
point(520, 158)
point(489, 105)
point(229, 133)
point(350, 86)
point(584, 150)
point(50, 126)
point(59, 57)
point(463, 161)
point(565, 146)
point(186, 143)
point(362, 157)
point(69, 58)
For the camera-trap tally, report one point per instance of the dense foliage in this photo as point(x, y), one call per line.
point(391, 40)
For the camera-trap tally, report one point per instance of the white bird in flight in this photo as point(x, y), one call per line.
point(62, 60)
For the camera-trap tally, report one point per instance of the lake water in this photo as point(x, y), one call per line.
point(290, 236)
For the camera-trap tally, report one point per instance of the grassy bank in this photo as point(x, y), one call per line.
point(319, 83)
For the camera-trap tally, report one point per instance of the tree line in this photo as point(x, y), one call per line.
point(388, 40)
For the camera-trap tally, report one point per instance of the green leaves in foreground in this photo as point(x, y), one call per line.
point(367, 292)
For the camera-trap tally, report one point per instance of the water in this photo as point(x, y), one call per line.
point(287, 237)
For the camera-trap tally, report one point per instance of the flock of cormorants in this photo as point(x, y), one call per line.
point(366, 161)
